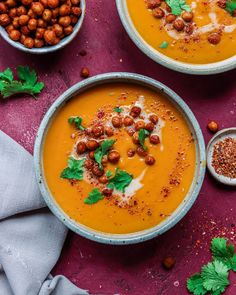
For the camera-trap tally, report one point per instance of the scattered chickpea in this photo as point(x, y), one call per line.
point(135, 138)
point(81, 147)
point(29, 42)
point(187, 16)
point(141, 152)
point(189, 29)
point(178, 24)
point(98, 130)
point(103, 179)
point(107, 192)
point(32, 24)
point(128, 121)
point(97, 171)
point(139, 125)
point(213, 126)
point(113, 156)
point(104, 160)
point(170, 18)
point(214, 38)
point(158, 13)
point(84, 73)
point(149, 127)
point(154, 139)
point(92, 144)
point(4, 20)
point(117, 121)
point(130, 153)
point(150, 160)
point(222, 3)
point(135, 111)
point(15, 35)
point(166, 7)
point(168, 263)
point(109, 131)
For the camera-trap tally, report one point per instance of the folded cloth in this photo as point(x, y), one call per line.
point(31, 238)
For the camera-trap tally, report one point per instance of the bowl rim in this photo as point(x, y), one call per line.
point(47, 49)
point(181, 210)
point(155, 55)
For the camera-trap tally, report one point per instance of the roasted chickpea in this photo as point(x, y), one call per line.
point(26, 2)
point(68, 30)
point(149, 127)
point(84, 73)
point(135, 138)
point(29, 42)
point(170, 18)
point(21, 11)
point(97, 171)
point(98, 130)
point(141, 152)
point(3, 8)
point(222, 3)
point(32, 24)
point(158, 13)
point(15, 35)
point(4, 20)
point(42, 23)
point(75, 2)
point(11, 3)
point(135, 111)
point(13, 12)
point(37, 8)
point(103, 179)
point(151, 4)
point(150, 160)
point(213, 126)
point(31, 14)
point(128, 121)
point(50, 37)
point(9, 28)
point(92, 144)
point(130, 131)
point(22, 38)
point(76, 11)
point(104, 160)
point(154, 139)
point(107, 192)
point(38, 43)
point(58, 30)
point(168, 263)
point(15, 22)
point(64, 21)
point(81, 147)
point(44, 3)
point(74, 19)
point(139, 125)
point(25, 30)
point(55, 12)
point(109, 131)
point(113, 156)
point(187, 16)
point(178, 24)
point(47, 15)
point(189, 29)
point(130, 153)
point(23, 20)
point(91, 154)
point(53, 3)
point(64, 10)
point(88, 164)
point(214, 38)
point(117, 121)
point(39, 33)
point(166, 7)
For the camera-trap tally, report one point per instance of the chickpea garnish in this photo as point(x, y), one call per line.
point(97, 171)
point(88, 164)
point(117, 121)
point(187, 16)
point(113, 156)
point(109, 131)
point(92, 144)
point(170, 18)
point(158, 13)
point(98, 130)
point(135, 138)
point(141, 152)
point(154, 139)
point(81, 148)
point(178, 24)
point(150, 160)
point(103, 179)
point(139, 125)
point(128, 121)
point(151, 4)
point(135, 112)
point(149, 127)
point(130, 153)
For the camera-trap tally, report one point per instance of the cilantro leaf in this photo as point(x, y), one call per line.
point(223, 252)
point(177, 6)
point(74, 170)
point(164, 45)
point(142, 134)
point(6, 75)
point(103, 150)
point(109, 174)
point(195, 285)
point(117, 109)
point(77, 121)
point(27, 76)
point(94, 196)
point(230, 6)
point(120, 180)
point(215, 276)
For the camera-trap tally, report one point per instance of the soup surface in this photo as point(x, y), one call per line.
point(205, 33)
point(144, 158)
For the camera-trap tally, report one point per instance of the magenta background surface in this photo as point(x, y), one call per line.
point(134, 269)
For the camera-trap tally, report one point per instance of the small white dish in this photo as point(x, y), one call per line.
point(219, 136)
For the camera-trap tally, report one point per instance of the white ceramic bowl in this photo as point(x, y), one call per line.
point(196, 69)
point(47, 49)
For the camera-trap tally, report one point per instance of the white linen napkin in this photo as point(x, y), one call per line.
point(31, 238)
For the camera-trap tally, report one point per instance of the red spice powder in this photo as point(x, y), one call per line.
point(224, 157)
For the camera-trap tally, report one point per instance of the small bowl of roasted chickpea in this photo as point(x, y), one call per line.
point(40, 26)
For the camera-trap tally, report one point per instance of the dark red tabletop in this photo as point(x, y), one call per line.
point(132, 269)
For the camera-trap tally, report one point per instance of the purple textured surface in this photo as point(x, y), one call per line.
point(130, 269)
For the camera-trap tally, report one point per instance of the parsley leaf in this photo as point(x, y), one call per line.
point(230, 6)
point(117, 109)
point(94, 196)
point(27, 82)
point(109, 174)
point(195, 285)
point(223, 252)
point(164, 45)
point(74, 170)
point(77, 121)
point(103, 150)
point(142, 134)
point(177, 6)
point(120, 180)
point(215, 276)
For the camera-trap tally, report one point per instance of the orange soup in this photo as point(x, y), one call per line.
point(119, 158)
point(197, 32)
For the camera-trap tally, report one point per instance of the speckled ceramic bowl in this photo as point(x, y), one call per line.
point(191, 196)
point(47, 49)
point(196, 69)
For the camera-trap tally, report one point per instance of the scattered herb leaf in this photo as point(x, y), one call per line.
point(94, 196)
point(109, 174)
point(77, 121)
point(142, 134)
point(177, 6)
point(164, 45)
point(120, 180)
point(195, 285)
point(27, 82)
point(74, 170)
point(230, 6)
point(103, 150)
point(117, 109)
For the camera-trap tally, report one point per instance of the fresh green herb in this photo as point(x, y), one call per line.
point(120, 180)
point(26, 83)
point(142, 134)
point(117, 109)
point(94, 196)
point(77, 121)
point(230, 6)
point(164, 45)
point(109, 174)
point(74, 170)
point(177, 6)
point(103, 150)
point(213, 278)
